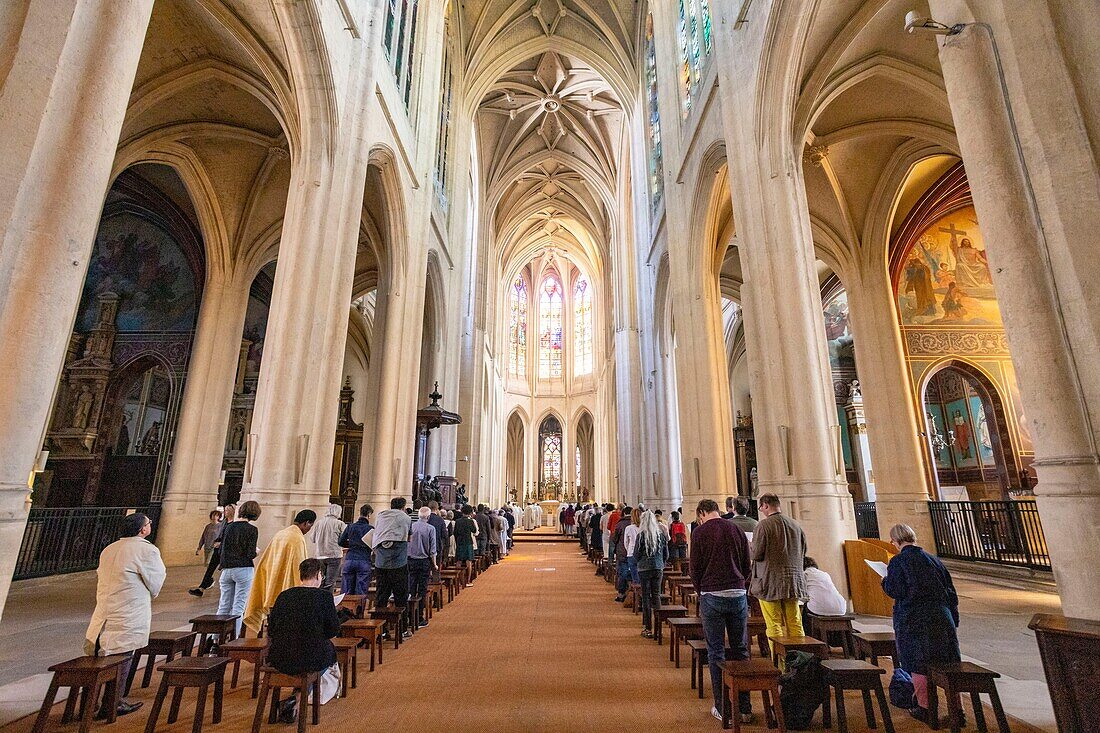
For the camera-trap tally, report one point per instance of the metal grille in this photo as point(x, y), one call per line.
point(1002, 532)
point(69, 539)
point(866, 519)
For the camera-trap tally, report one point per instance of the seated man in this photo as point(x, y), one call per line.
point(300, 625)
point(824, 599)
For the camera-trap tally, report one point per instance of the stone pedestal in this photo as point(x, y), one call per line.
point(550, 510)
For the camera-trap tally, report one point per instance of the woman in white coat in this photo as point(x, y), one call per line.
point(131, 574)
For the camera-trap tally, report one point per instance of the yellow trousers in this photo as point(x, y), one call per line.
point(782, 618)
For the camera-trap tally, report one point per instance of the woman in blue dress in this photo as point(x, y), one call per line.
point(926, 612)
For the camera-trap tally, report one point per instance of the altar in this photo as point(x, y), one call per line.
point(550, 508)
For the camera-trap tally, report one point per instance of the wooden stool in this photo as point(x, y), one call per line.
point(368, 631)
point(223, 626)
point(683, 589)
point(165, 644)
point(274, 680)
point(822, 626)
point(86, 676)
point(680, 630)
point(670, 580)
point(634, 597)
point(348, 658)
point(855, 674)
point(357, 604)
point(746, 676)
point(700, 659)
point(449, 579)
point(394, 618)
point(875, 646)
point(758, 629)
point(250, 650)
point(664, 613)
point(956, 679)
point(435, 590)
point(200, 672)
point(783, 644)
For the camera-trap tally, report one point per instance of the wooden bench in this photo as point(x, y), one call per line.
point(959, 678)
point(85, 676)
point(855, 674)
point(680, 630)
point(748, 676)
point(197, 672)
point(876, 645)
point(347, 657)
point(165, 644)
point(700, 659)
point(253, 651)
point(822, 626)
point(783, 644)
point(208, 626)
point(663, 614)
point(302, 684)
point(368, 631)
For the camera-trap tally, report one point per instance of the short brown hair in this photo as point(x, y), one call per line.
point(309, 568)
point(249, 510)
point(769, 500)
point(706, 506)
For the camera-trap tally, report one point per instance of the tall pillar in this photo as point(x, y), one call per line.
point(61, 109)
point(1043, 268)
point(204, 419)
point(901, 477)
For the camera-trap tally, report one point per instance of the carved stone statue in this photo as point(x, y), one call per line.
point(460, 496)
point(855, 393)
point(754, 483)
point(82, 412)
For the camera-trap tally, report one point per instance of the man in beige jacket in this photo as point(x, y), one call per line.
point(130, 574)
point(778, 582)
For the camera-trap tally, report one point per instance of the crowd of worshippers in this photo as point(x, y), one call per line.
point(732, 558)
point(289, 590)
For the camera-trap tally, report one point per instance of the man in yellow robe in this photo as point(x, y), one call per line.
point(277, 568)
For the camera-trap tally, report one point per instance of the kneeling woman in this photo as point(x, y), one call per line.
point(926, 612)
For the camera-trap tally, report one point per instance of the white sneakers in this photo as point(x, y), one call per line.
point(745, 717)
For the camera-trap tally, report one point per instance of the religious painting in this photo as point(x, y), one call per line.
point(255, 319)
point(945, 279)
point(141, 263)
point(838, 335)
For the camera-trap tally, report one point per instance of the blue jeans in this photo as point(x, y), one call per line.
point(235, 583)
point(722, 617)
point(632, 564)
point(622, 579)
point(356, 575)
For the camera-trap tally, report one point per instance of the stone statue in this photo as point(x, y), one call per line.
point(754, 483)
point(855, 393)
point(236, 442)
point(82, 413)
point(460, 496)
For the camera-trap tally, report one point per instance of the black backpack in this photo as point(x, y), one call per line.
point(802, 689)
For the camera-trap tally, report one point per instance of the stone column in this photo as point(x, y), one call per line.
point(897, 451)
point(61, 108)
point(204, 419)
point(856, 421)
point(1053, 349)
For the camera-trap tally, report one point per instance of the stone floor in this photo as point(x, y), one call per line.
point(45, 619)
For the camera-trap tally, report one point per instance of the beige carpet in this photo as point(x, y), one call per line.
point(535, 645)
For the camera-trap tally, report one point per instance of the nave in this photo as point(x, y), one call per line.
point(536, 644)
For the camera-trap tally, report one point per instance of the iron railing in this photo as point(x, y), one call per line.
point(1002, 532)
point(69, 539)
point(866, 520)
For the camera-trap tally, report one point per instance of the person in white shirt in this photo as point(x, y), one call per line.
point(630, 537)
point(824, 598)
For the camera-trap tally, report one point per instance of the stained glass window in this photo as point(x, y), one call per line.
point(517, 332)
point(550, 329)
point(550, 442)
point(444, 130)
point(387, 32)
point(578, 462)
point(695, 35)
point(399, 42)
point(656, 150)
point(582, 327)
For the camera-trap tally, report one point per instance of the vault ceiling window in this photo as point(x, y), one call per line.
point(399, 42)
point(582, 327)
point(694, 32)
point(656, 150)
point(517, 329)
point(550, 329)
point(444, 138)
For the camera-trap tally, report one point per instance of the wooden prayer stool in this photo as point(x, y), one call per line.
point(414, 605)
point(366, 631)
point(663, 614)
point(855, 674)
point(165, 644)
point(223, 626)
point(758, 629)
point(634, 597)
point(198, 672)
point(435, 591)
point(876, 645)
point(682, 590)
point(691, 600)
point(253, 651)
point(450, 580)
point(822, 626)
point(394, 618)
point(680, 630)
point(700, 659)
point(302, 684)
point(783, 644)
point(959, 678)
point(747, 676)
point(357, 604)
point(85, 676)
point(347, 657)
point(671, 580)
